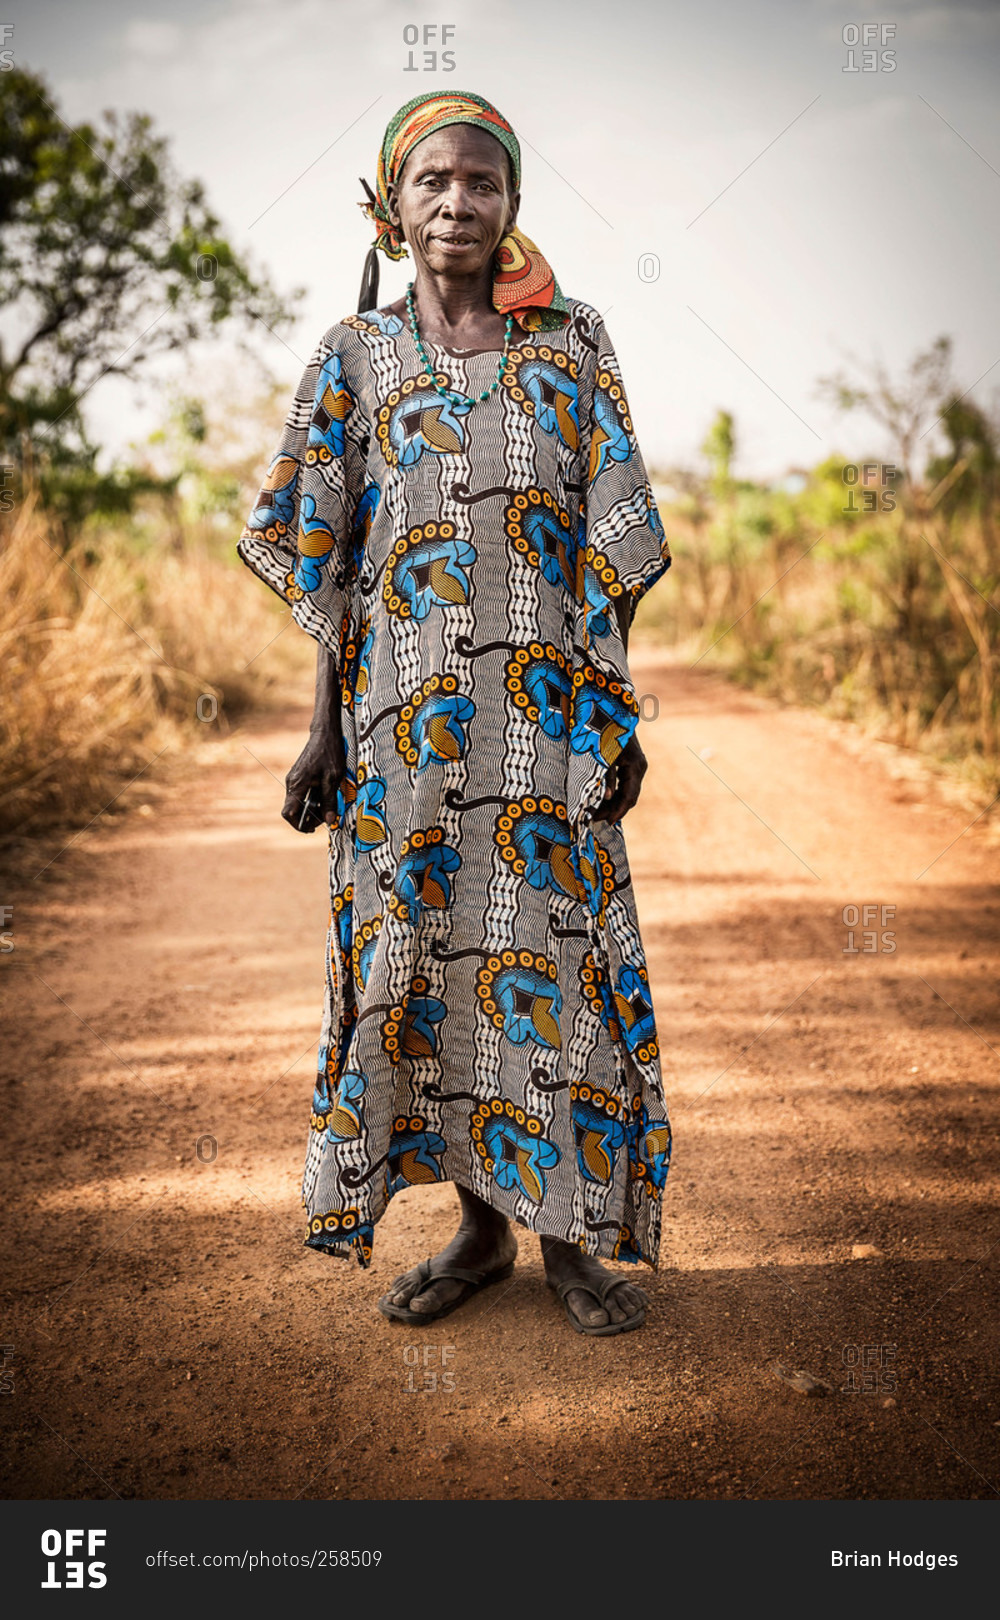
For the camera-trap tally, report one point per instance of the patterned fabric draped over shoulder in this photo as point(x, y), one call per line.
point(487, 1017)
point(298, 536)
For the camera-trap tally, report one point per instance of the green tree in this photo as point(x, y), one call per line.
point(107, 260)
point(720, 447)
point(967, 473)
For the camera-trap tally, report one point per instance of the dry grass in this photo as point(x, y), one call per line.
point(107, 649)
point(110, 648)
point(885, 620)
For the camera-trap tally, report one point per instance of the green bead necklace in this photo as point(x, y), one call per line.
point(453, 398)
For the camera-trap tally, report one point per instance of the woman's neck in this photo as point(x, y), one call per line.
point(452, 307)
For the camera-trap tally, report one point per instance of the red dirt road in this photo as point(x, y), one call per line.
point(172, 1337)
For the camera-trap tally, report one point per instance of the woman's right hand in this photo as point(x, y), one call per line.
point(319, 770)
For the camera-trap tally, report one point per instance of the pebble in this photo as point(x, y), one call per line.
point(802, 1381)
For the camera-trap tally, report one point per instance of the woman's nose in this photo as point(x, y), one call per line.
point(456, 202)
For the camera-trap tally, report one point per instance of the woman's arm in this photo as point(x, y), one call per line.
point(321, 766)
point(623, 613)
point(326, 707)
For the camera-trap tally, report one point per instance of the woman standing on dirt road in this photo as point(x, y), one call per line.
point(459, 513)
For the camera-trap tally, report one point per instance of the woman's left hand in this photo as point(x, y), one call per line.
point(624, 783)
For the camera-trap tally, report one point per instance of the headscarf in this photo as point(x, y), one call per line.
point(523, 283)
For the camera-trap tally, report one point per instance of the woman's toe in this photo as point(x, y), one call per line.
point(404, 1287)
point(436, 1295)
point(585, 1308)
point(624, 1302)
point(429, 1300)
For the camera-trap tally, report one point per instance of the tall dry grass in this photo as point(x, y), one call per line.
point(110, 650)
point(885, 619)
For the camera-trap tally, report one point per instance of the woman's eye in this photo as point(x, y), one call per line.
point(434, 181)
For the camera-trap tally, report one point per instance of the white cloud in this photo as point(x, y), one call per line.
point(152, 38)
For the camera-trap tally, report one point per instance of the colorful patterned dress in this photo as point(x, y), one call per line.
point(488, 1017)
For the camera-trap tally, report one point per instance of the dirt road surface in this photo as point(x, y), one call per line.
point(173, 1338)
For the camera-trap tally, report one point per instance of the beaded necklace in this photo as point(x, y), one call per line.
point(453, 398)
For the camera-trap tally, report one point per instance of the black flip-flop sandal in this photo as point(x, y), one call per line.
point(600, 1292)
point(474, 1282)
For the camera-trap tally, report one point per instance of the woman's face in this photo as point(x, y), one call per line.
point(454, 201)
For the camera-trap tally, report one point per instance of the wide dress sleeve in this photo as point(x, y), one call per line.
point(621, 551)
point(625, 547)
point(298, 537)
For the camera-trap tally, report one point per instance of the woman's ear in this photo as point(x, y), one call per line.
point(392, 204)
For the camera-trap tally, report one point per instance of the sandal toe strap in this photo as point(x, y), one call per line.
point(460, 1273)
point(597, 1290)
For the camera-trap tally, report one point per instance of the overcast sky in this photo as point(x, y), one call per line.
point(798, 213)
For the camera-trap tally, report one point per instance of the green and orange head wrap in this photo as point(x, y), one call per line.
point(523, 284)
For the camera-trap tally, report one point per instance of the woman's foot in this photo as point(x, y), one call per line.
point(564, 1262)
point(484, 1242)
